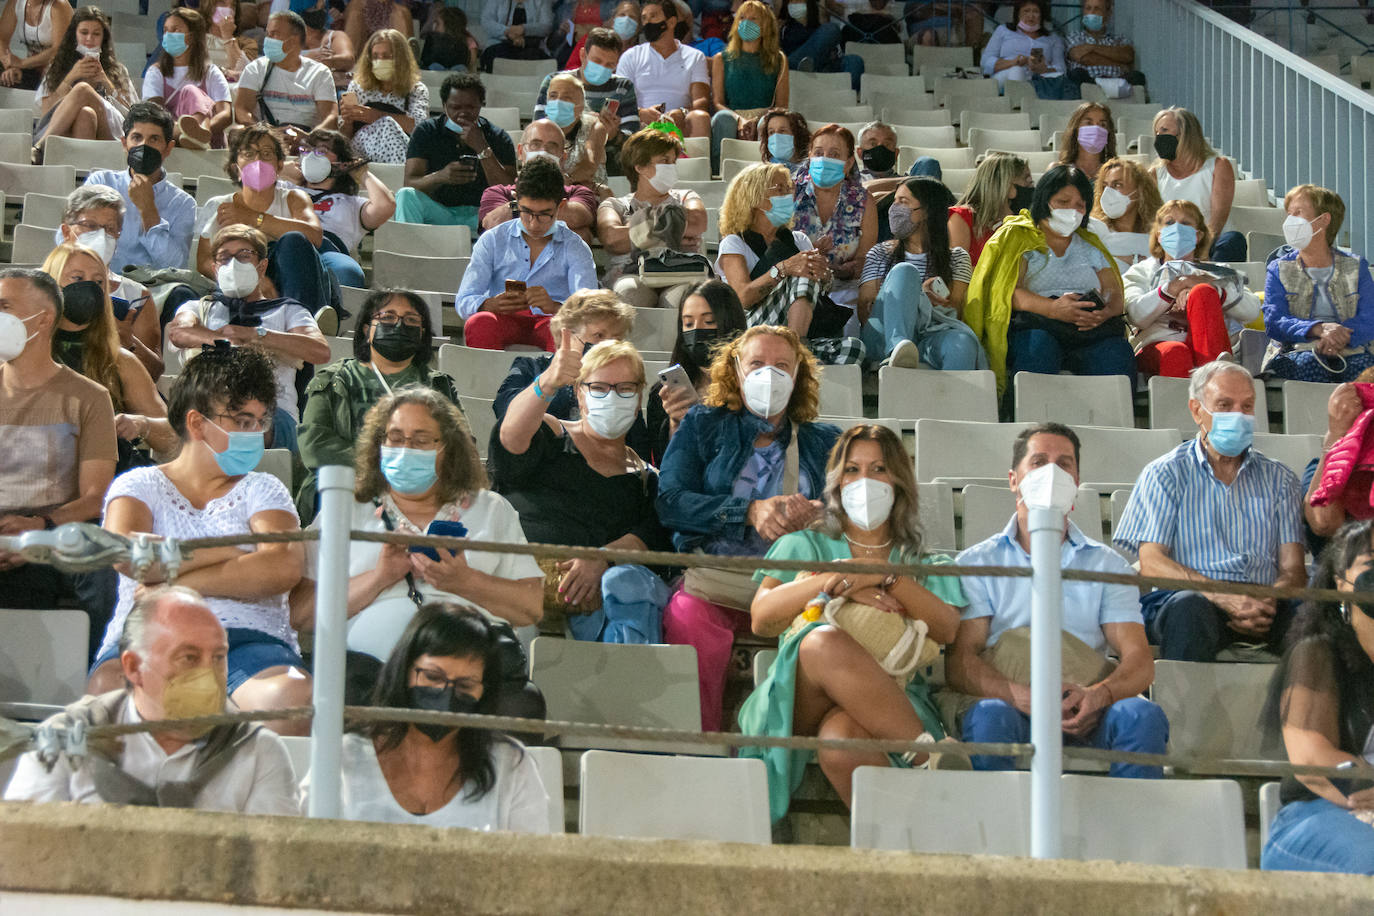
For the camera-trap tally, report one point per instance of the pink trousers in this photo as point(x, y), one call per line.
point(710, 629)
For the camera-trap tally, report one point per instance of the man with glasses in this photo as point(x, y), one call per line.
point(238, 312)
point(543, 138)
point(523, 270)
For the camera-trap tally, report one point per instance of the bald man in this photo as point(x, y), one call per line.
point(578, 210)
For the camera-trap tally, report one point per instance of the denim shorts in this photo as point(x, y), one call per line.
point(250, 652)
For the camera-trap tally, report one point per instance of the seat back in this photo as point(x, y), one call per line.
point(745, 150)
point(507, 119)
point(982, 139)
point(913, 394)
point(961, 451)
point(406, 271)
point(43, 656)
point(277, 462)
point(729, 168)
point(16, 146)
point(474, 371)
point(31, 244)
point(1214, 707)
point(1169, 404)
point(991, 120)
point(937, 516)
point(712, 192)
point(987, 510)
point(1269, 805)
point(694, 168)
point(1293, 452)
point(933, 59)
point(941, 137)
point(481, 420)
point(504, 66)
point(84, 155)
point(842, 393)
point(194, 163)
point(941, 811)
point(1304, 406)
point(882, 59)
point(1256, 219)
point(804, 81)
point(549, 762)
point(1091, 400)
point(918, 111)
point(655, 329)
point(763, 661)
point(434, 241)
point(1114, 457)
point(958, 157)
point(18, 180)
point(882, 84)
point(43, 210)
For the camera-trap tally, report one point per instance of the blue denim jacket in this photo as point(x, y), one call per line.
point(696, 500)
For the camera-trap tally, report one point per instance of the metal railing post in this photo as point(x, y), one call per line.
point(1047, 763)
point(331, 605)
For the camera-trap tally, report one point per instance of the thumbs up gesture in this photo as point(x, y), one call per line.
point(566, 365)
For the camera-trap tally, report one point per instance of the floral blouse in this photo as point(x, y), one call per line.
point(845, 225)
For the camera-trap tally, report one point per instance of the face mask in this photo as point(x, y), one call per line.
point(258, 175)
point(749, 30)
point(300, 6)
point(82, 301)
point(664, 178)
point(174, 43)
point(1092, 22)
point(453, 125)
point(899, 220)
point(1232, 432)
point(625, 27)
point(879, 159)
point(384, 69)
point(99, 241)
point(1297, 232)
point(698, 343)
point(197, 692)
point(612, 416)
point(653, 31)
point(1092, 138)
point(781, 209)
point(1022, 195)
point(236, 279)
point(766, 390)
point(221, 13)
point(1166, 146)
point(144, 160)
point(1114, 203)
point(867, 502)
point(315, 167)
point(1177, 239)
point(316, 19)
point(440, 699)
point(595, 74)
point(533, 154)
point(797, 11)
point(409, 470)
point(88, 52)
point(12, 337)
point(1027, 27)
point(272, 49)
point(561, 112)
point(396, 342)
point(781, 147)
point(826, 173)
point(1064, 221)
point(243, 452)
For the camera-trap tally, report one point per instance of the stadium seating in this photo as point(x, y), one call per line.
point(43, 656)
point(1214, 708)
point(1089, 400)
point(987, 510)
point(913, 394)
point(1304, 406)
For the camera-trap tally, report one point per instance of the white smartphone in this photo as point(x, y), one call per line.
point(676, 377)
point(939, 287)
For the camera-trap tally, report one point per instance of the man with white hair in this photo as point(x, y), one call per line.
point(1216, 510)
point(173, 651)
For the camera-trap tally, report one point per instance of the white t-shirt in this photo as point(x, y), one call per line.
point(291, 97)
point(342, 214)
point(663, 79)
point(735, 244)
point(155, 85)
point(207, 217)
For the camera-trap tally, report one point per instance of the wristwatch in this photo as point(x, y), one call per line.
point(485, 154)
point(775, 272)
point(262, 331)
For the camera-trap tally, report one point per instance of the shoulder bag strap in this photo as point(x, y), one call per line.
point(791, 464)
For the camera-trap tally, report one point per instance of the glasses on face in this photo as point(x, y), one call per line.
point(390, 319)
point(245, 422)
point(86, 225)
point(601, 389)
point(251, 154)
point(426, 442)
point(243, 256)
point(433, 677)
point(538, 215)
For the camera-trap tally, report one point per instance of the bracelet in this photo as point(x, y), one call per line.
point(539, 392)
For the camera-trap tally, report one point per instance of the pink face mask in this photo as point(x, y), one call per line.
point(1092, 138)
point(258, 175)
point(1027, 27)
point(222, 13)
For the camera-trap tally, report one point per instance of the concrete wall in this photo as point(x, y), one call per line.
point(327, 865)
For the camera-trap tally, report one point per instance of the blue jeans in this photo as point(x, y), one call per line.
point(1188, 627)
point(820, 45)
point(632, 600)
point(294, 266)
point(903, 312)
point(284, 428)
point(1132, 724)
point(723, 126)
point(1229, 246)
point(1316, 835)
point(346, 270)
point(1035, 350)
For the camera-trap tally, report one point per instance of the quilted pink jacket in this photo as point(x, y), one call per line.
point(1354, 451)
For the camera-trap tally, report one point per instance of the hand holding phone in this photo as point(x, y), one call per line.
point(1097, 303)
point(676, 377)
point(516, 286)
point(939, 287)
point(613, 106)
point(444, 529)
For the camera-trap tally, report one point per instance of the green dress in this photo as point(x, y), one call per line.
point(768, 710)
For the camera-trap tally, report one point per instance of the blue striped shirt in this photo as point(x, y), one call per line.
point(1229, 533)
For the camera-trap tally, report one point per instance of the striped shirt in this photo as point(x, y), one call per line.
point(875, 263)
point(1229, 533)
point(617, 87)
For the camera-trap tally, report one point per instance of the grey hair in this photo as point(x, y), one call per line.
point(90, 197)
point(874, 125)
point(1197, 381)
point(134, 637)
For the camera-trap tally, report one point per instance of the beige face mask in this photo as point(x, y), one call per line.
point(198, 692)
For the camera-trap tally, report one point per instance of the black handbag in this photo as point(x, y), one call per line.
point(1065, 333)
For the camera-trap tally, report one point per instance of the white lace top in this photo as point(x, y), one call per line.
point(174, 516)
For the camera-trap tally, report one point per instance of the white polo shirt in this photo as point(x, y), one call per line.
point(663, 79)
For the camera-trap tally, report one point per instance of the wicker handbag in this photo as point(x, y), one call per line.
point(553, 601)
point(896, 642)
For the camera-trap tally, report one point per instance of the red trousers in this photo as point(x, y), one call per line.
point(1207, 338)
point(490, 331)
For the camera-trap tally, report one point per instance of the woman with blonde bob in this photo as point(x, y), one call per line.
point(1184, 316)
point(746, 467)
point(1125, 201)
point(1001, 187)
point(1189, 169)
point(385, 99)
point(824, 683)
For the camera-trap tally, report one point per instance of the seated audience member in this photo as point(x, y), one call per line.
point(1125, 202)
point(220, 406)
point(878, 157)
point(612, 98)
point(578, 209)
point(517, 29)
point(577, 482)
point(989, 662)
point(1184, 314)
point(172, 656)
point(656, 204)
point(813, 39)
point(448, 45)
point(777, 273)
point(37, 38)
point(447, 660)
point(1189, 169)
point(241, 312)
point(1031, 300)
point(745, 467)
point(60, 445)
point(363, 18)
point(94, 218)
point(453, 157)
point(1001, 187)
point(284, 88)
point(1098, 56)
point(523, 270)
point(1027, 50)
point(1321, 703)
point(710, 316)
point(222, 39)
point(1216, 509)
point(1337, 486)
point(1089, 139)
point(671, 79)
point(904, 318)
point(834, 210)
point(326, 44)
point(187, 84)
point(823, 682)
point(784, 138)
point(623, 20)
point(86, 91)
point(385, 99)
point(1318, 299)
point(749, 77)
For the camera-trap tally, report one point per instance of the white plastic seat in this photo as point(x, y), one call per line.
point(391, 174)
point(988, 509)
point(1304, 406)
point(964, 452)
point(1214, 708)
point(957, 180)
point(655, 329)
point(959, 102)
point(960, 157)
point(992, 120)
point(17, 180)
point(763, 660)
point(1169, 405)
point(845, 423)
point(481, 420)
point(1113, 457)
point(1294, 452)
point(802, 81)
point(16, 146)
point(476, 372)
point(208, 186)
point(1090, 400)
point(746, 150)
point(1251, 192)
point(881, 59)
point(507, 119)
point(1256, 219)
point(697, 147)
point(549, 762)
point(939, 137)
point(43, 210)
point(277, 461)
point(694, 168)
point(730, 168)
point(937, 516)
point(14, 98)
point(84, 155)
point(1269, 805)
point(406, 271)
point(913, 394)
point(712, 192)
point(1118, 502)
point(508, 67)
point(1038, 161)
point(434, 241)
point(43, 656)
point(18, 121)
point(918, 111)
point(680, 798)
point(821, 101)
point(932, 59)
point(946, 85)
point(339, 348)
point(941, 811)
point(881, 84)
point(31, 244)
point(194, 163)
point(842, 393)
point(982, 139)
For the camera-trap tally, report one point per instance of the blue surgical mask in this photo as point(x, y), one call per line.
point(781, 209)
point(1092, 22)
point(781, 147)
point(1232, 432)
point(749, 30)
point(409, 470)
point(625, 27)
point(300, 6)
point(826, 173)
point(453, 125)
point(560, 111)
point(272, 49)
point(174, 43)
point(1177, 239)
point(595, 74)
point(243, 453)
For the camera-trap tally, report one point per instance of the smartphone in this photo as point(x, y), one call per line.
point(444, 530)
point(676, 377)
point(613, 106)
point(1352, 785)
point(515, 286)
point(1037, 54)
point(1098, 304)
point(939, 287)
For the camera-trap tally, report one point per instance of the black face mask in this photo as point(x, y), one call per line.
point(144, 160)
point(440, 699)
point(699, 342)
point(396, 342)
point(653, 31)
point(82, 301)
point(1021, 200)
point(315, 19)
point(879, 159)
point(1166, 146)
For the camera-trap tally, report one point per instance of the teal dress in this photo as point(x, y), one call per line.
point(747, 84)
point(768, 710)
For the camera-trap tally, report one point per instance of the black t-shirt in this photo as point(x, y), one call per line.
point(438, 146)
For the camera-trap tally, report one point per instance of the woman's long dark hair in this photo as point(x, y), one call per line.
point(935, 200)
point(444, 629)
point(198, 63)
point(362, 349)
point(65, 57)
point(730, 321)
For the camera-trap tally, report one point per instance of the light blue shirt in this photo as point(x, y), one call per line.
point(168, 244)
point(562, 268)
point(1087, 605)
point(1230, 533)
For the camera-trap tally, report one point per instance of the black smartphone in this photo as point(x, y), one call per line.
point(1349, 786)
point(1098, 303)
point(444, 530)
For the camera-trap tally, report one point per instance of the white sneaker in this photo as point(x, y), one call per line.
point(905, 356)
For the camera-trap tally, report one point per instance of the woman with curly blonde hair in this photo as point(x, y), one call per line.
point(1125, 200)
point(385, 99)
point(746, 466)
